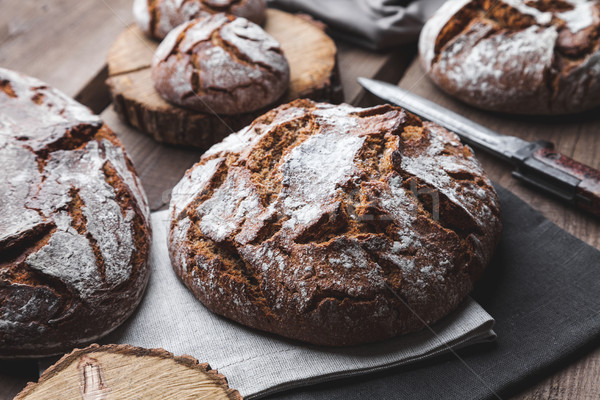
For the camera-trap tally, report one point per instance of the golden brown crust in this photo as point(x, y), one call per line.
point(526, 57)
point(334, 225)
point(75, 236)
point(185, 360)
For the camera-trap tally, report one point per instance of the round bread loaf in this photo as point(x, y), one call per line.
point(334, 225)
point(158, 17)
point(525, 57)
point(74, 233)
point(220, 64)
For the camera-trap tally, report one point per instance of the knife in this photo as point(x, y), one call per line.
point(536, 163)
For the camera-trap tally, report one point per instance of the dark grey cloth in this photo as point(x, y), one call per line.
point(543, 290)
point(376, 24)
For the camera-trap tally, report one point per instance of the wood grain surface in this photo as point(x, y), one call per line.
point(64, 42)
point(122, 372)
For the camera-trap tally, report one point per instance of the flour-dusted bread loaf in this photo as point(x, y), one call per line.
point(516, 56)
point(158, 17)
point(334, 225)
point(220, 64)
point(74, 233)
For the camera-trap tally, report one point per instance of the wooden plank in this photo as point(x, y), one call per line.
point(578, 381)
point(575, 136)
point(95, 94)
point(355, 61)
point(62, 42)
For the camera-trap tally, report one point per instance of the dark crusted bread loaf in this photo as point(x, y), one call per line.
point(74, 233)
point(334, 225)
point(220, 64)
point(526, 57)
point(158, 17)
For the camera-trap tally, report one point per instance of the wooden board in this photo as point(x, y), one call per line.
point(125, 372)
point(388, 66)
point(313, 74)
point(62, 42)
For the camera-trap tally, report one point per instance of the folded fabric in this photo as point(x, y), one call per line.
point(376, 24)
point(258, 363)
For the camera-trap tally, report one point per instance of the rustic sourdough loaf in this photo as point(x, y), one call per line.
point(74, 233)
point(220, 64)
point(334, 225)
point(526, 57)
point(158, 17)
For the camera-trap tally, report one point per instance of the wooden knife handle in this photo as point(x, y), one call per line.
point(588, 190)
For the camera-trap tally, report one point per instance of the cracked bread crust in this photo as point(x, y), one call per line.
point(333, 224)
point(523, 57)
point(157, 18)
point(74, 232)
point(220, 64)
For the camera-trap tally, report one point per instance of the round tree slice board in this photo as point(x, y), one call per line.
point(313, 69)
point(127, 372)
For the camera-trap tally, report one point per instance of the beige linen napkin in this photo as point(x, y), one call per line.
point(256, 363)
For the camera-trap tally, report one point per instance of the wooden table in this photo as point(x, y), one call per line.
point(64, 43)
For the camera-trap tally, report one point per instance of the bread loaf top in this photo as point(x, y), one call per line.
point(220, 64)
point(73, 222)
point(158, 17)
point(532, 57)
point(318, 221)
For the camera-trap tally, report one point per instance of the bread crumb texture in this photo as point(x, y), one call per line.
point(334, 225)
point(74, 233)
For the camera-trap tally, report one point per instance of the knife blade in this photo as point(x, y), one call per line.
point(536, 163)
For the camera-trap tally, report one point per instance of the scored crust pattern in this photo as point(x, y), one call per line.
point(322, 222)
point(220, 64)
point(526, 57)
point(74, 233)
point(158, 17)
